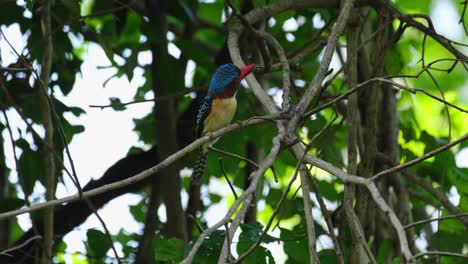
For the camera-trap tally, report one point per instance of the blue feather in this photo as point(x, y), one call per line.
point(223, 76)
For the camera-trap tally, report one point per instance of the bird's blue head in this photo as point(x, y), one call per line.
point(227, 78)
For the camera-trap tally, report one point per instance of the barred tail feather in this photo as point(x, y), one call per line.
point(199, 169)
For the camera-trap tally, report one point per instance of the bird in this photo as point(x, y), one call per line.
point(217, 109)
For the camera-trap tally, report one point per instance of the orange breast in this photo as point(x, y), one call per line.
point(221, 114)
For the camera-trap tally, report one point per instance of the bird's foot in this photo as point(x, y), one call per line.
point(210, 135)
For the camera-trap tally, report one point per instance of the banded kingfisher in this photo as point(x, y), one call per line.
point(218, 109)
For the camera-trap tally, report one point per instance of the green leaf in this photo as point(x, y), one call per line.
point(420, 6)
point(211, 248)
point(393, 63)
point(327, 189)
point(295, 246)
point(97, 244)
point(31, 166)
point(459, 178)
point(168, 249)
point(327, 256)
point(249, 235)
point(171, 75)
point(71, 130)
point(117, 104)
point(138, 212)
point(195, 53)
point(384, 251)
point(211, 12)
point(144, 127)
point(252, 232)
point(215, 198)
point(452, 242)
point(130, 36)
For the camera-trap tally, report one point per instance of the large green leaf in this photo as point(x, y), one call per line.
point(295, 246)
point(211, 248)
point(170, 250)
point(97, 244)
point(249, 235)
point(31, 166)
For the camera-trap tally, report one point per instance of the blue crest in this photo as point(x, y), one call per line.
point(223, 76)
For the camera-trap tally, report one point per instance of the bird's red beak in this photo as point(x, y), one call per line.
point(245, 71)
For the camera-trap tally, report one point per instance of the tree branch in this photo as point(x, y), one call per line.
point(308, 216)
point(315, 85)
point(49, 131)
point(420, 159)
point(149, 172)
point(436, 219)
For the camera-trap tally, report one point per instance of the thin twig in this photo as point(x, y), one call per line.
point(409, 20)
point(365, 84)
point(440, 197)
point(312, 239)
point(370, 185)
point(149, 172)
point(226, 227)
point(46, 111)
point(30, 127)
point(284, 65)
point(157, 99)
point(5, 252)
point(43, 87)
point(197, 224)
point(435, 219)
point(273, 170)
point(106, 230)
point(255, 176)
point(234, 156)
point(440, 253)
point(462, 17)
point(326, 216)
point(314, 87)
point(14, 69)
point(221, 165)
point(270, 221)
point(420, 159)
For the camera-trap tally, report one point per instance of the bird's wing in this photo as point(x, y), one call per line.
point(223, 76)
point(203, 112)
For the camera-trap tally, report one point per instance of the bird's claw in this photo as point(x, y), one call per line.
point(210, 135)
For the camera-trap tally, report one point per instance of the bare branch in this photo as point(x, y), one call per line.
point(308, 215)
point(256, 176)
point(440, 253)
point(5, 252)
point(420, 159)
point(44, 88)
point(46, 112)
point(436, 219)
point(234, 156)
point(227, 179)
point(147, 173)
point(159, 98)
point(326, 215)
point(370, 185)
point(409, 20)
point(442, 198)
point(284, 65)
point(315, 85)
point(272, 217)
